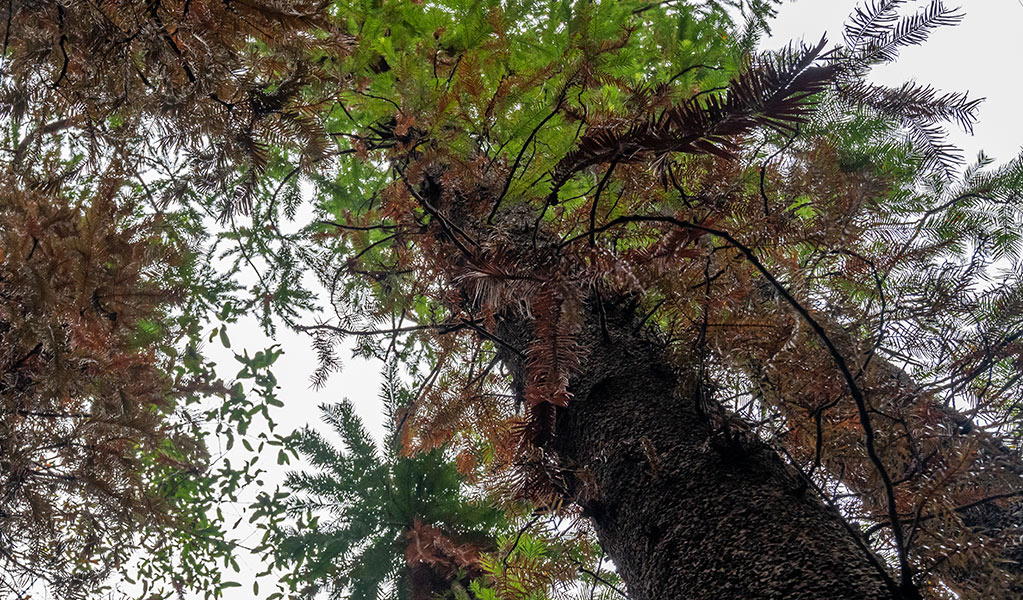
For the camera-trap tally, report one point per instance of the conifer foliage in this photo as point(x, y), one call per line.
point(214, 85)
point(543, 199)
point(371, 522)
point(85, 396)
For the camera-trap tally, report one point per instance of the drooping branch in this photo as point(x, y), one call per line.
point(772, 92)
point(906, 570)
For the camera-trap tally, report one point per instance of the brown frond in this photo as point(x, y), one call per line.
point(551, 359)
point(772, 92)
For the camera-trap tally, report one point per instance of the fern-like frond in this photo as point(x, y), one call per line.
point(915, 102)
point(880, 40)
point(871, 21)
point(931, 141)
point(875, 34)
point(771, 93)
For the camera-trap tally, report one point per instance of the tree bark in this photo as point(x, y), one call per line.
point(686, 504)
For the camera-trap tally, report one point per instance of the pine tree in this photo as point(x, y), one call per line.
point(371, 522)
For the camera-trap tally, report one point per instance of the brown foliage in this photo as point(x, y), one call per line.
point(435, 561)
point(219, 82)
point(84, 395)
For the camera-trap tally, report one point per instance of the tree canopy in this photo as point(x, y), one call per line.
point(747, 315)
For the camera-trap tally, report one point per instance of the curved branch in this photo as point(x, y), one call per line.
point(906, 570)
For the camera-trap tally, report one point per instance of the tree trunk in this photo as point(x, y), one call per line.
point(686, 504)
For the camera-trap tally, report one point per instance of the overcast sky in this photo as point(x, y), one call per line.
point(981, 55)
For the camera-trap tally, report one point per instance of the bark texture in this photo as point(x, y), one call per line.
point(685, 503)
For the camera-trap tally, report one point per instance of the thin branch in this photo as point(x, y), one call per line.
point(906, 570)
point(518, 158)
point(604, 581)
point(494, 338)
point(596, 199)
point(690, 68)
point(439, 327)
point(381, 226)
point(518, 538)
point(445, 224)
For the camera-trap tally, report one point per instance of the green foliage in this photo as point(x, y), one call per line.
point(480, 166)
point(348, 527)
point(196, 552)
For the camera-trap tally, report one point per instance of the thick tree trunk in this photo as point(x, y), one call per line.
point(686, 505)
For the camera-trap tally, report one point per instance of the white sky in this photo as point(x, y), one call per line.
point(981, 55)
